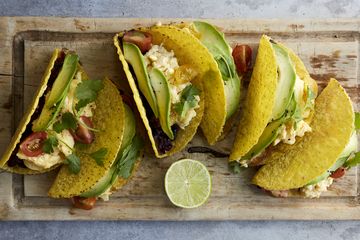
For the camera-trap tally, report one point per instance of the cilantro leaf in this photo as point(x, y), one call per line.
point(68, 121)
point(357, 121)
point(73, 162)
point(235, 167)
point(353, 161)
point(187, 101)
point(49, 144)
point(128, 157)
point(99, 156)
point(86, 92)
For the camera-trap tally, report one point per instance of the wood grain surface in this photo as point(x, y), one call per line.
point(329, 48)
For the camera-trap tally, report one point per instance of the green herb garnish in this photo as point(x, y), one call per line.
point(86, 92)
point(353, 161)
point(187, 101)
point(128, 157)
point(73, 162)
point(68, 121)
point(99, 156)
point(49, 144)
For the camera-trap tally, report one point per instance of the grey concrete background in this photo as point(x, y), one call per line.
point(346, 230)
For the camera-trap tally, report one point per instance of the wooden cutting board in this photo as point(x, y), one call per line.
point(329, 48)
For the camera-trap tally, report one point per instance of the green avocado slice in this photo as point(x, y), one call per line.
point(106, 181)
point(133, 56)
point(55, 100)
point(215, 42)
point(350, 148)
point(162, 93)
point(286, 82)
point(267, 137)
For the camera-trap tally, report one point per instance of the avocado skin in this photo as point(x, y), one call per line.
point(134, 56)
point(215, 42)
point(56, 98)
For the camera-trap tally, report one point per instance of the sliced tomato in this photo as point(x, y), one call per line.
point(242, 57)
point(32, 145)
point(83, 134)
point(141, 39)
point(338, 173)
point(84, 203)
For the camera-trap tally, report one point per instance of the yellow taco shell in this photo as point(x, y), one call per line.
point(109, 119)
point(187, 52)
point(25, 121)
point(295, 166)
point(260, 97)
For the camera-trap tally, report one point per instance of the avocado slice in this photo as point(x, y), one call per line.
point(215, 42)
point(162, 92)
point(133, 56)
point(106, 181)
point(350, 147)
point(55, 100)
point(286, 82)
point(267, 137)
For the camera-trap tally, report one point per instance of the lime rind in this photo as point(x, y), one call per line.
point(188, 183)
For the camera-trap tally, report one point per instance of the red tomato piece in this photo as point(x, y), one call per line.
point(83, 203)
point(242, 57)
point(141, 39)
point(32, 145)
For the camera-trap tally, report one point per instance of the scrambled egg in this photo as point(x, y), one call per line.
point(105, 196)
point(162, 59)
point(288, 132)
point(166, 62)
point(315, 190)
point(65, 139)
point(46, 160)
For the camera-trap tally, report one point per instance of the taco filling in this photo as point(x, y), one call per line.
point(169, 97)
point(309, 167)
point(293, 103)
point(313, 189)
point(63, 119)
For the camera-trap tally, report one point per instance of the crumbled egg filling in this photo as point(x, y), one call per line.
point(291, 129)
point(65, 139)
point(315, 190)
point(166, 62)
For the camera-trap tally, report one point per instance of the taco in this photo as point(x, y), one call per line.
point(309, 167)
point(113, 166)
point(223, 88)
point(59, 116)
point(165, 68)
point(279, 104)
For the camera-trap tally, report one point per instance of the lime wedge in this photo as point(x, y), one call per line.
point(188, 183)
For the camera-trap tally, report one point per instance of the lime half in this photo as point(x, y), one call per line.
point(188, 183)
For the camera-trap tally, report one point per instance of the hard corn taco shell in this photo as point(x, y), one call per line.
point(109, 120)
point(295, 166)
point(25, 123)
point(261, 95)
point(259, 100)
point(187, 51)
point(214, 124)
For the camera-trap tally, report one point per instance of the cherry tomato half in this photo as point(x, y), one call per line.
point(242, 58)
point(338, 173)
point(84, 203)
point(83, 134)
point(32, 145)
point(141, 39)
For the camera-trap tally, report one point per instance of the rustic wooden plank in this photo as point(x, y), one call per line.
point(328, 48)
point(97, 56)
